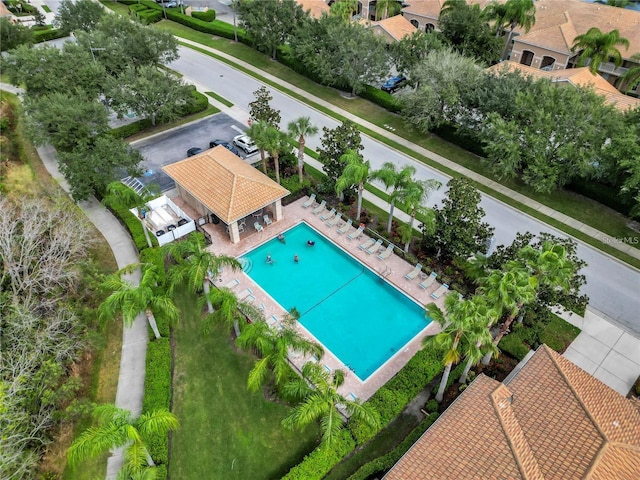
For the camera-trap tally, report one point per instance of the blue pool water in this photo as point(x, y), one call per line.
point(355, 314)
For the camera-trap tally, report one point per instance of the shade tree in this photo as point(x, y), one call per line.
point(13, 35)
point(81, 15)
point(335, 142)
point(411, 49)
point(260, 109)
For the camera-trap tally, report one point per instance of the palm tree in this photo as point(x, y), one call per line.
point(228, 310)
point(275, 142)
point(118, 428)
point(119, 196)
point(257, 131)
point(344, 9)
point(632, 77)
point(321, 402)
point(457, 322)
point(196, 266)
point(412, 196)
point(479, 335)
point(396, 180)
point(596, 47)
point(356, 172)
point(549, 265)
point(301, 128)
point(273, 347)
point(387, 8)
point(512, 14)
point(130, 300)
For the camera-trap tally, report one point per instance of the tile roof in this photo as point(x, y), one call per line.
point(315, 7)
point(396, 26)
point(225, 184)
point(427, 8)
point(579, 77)
point(551, 421)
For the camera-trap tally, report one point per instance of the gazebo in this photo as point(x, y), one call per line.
point(218, 184)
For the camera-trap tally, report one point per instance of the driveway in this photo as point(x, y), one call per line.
point(171, 146)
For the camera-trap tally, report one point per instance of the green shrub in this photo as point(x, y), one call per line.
point(208, 16)
point(293, 184)
point(512, 344)
point(157, 392)
point(131, 129)
point(197, 103)
point(150, 16)
point(384, 99)
point(45, 35)
point(215, 27)
point(385, 462)
point(134, 226)
point(137, 7)
point(605, 194)
point(432, 406)
point(161, 472)
point(319, 462)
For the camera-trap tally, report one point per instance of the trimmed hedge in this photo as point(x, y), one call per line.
point(45, 35)
point(384, 99)
point(131, 129)
point(149, 16)
point(319, 462)
point(387, 461)
point(605, 194)
point(513, 345)
point(208, 16)
point(134, 226)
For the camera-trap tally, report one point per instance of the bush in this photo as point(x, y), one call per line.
point(513, 345)
point(208, 16)
point(293, 185)
point(133, 224)
point(157, 392)
point(137, 7)
point(45, 35)
point(319, 462)
point(452, 134)
point(131, 129)
point(384, 99)
point(198, 103)
point(432, 406)
point(604, 194)
point(148, 16)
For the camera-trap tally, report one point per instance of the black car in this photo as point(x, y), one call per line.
point(394, 84)
point(226, 145)
point(194, 151)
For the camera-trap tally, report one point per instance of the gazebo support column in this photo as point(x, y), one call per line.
point(234, 233)
point(277, 215)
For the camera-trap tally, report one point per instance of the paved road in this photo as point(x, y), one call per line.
point(614, 288)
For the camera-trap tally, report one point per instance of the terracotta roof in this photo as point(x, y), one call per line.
point(578, 77)
point(426, 8)
point(397, 26)
point(225, 184)
point(551, 421)
point(315, 7)
point(4, 11)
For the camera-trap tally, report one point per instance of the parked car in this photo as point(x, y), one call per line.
point(194, 151)
point(394, 84)
point(245, 143)
point(226, 145)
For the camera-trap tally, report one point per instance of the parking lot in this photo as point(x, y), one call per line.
point(170, 147)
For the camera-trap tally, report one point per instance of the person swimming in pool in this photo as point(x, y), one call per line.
point(310, 243)
point(281, 238)
point(269, 259)
point(296, 259)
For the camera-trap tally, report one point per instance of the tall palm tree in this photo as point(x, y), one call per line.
point(512, 14)
point(479, 335)
point(387, 8)
point(356, 172)
point(549, 265)
point(118, 428)
point(275, 142)
point(301, 128)
point(632, 77)
point(130, 300)
point(228, 311)
point(596, 47)
point(257, 131)
point(195, 264)
point(273, 347)
point(413, 195)
point(344, 9)
point(396, 180)
point(321, 402)
point(457, 321)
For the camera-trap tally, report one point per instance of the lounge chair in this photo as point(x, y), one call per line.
point(327, 368)
point(319, 208)
point(375, 247)
point(356, 233)
point(258, 227)
point(334, 220)
point(272, 320)
point(387, 253)
point(311, 201)
point(414, 273)
point(246, 294)
point(368, 244)
point(232, 284)
point(440, 291)
point(327, 216)
point(427, 282)
point(343, 229)
point(353, 397)
point(267, 220)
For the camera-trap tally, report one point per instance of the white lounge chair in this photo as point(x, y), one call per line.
point(267, 220)
point(246, 294)
point(440, 291)
point(368, 244)
point(387, 253)
point(353, 397)
point(232, 284)
point(327, 368)
point(311, 201)
point(319, 208)
point(272, 320)
point(375, 247)
point(258, 227)
point(334, 220)
point(343, 229)
point(427, 282)
point(327, 216)
point(356, 233)
point(414, 273)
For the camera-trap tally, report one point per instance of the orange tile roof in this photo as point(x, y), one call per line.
point(396, 26)
point(551, 421)
point(427, 8)
point(315, 7)
point(579, 77)
point(225, 184)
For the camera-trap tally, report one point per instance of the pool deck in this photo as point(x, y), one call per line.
point(395, 268)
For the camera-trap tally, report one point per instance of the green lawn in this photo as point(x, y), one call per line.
point(225, 431)
point(221, 99)
point(559, 334)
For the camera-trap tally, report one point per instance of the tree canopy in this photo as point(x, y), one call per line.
point(81, 15)
point(335, 143)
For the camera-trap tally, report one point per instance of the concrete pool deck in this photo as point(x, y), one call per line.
point(395, 267)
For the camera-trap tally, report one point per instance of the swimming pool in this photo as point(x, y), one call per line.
point(355, 314)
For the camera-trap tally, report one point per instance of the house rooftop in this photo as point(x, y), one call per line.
point(225, 184)
point(551, 421)
point(397, 26)
point(315, 7)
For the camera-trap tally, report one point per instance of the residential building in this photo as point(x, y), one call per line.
point(549, 420)
point(392, 29)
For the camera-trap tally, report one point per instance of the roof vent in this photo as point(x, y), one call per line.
point(615, 423)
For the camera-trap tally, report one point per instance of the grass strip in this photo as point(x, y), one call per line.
point(210, 110)
point(46, 8)
point(220, 98)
